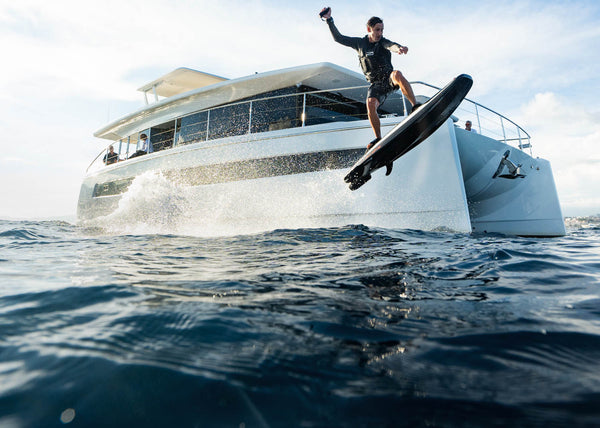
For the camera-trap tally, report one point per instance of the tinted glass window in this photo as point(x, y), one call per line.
point(325, 108)
point(193, 128)
point(162, 136)
point(229, 121)
point(277, 113)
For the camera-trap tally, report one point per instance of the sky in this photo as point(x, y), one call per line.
point(71, 67)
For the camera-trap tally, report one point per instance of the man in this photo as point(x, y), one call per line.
point(111, 157)
point(376, 63)
point(468, 125)
point(143, 146)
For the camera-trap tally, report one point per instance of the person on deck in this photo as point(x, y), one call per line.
point(468, 127)
point(376, 63)
point(111, 157)
point(143, 146)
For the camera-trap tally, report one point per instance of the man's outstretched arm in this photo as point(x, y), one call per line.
point(394, 47)
point(351, 42)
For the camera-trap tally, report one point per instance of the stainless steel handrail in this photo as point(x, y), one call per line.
point(519, 137)
point(502, 118)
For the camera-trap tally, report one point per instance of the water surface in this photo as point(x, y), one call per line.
point(349, 326)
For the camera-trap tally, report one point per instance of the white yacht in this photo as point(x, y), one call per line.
point(271, 149)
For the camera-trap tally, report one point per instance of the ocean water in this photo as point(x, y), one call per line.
point(334, 327)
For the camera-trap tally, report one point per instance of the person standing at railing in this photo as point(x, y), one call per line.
point(111, 157)
point(376, 63)
point(468, 125)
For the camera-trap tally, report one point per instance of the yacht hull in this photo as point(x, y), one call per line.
point(294, 178)
point(421, 193)
point(523, 203)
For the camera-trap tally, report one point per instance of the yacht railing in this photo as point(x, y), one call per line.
point(489, 122)
point(314, 107)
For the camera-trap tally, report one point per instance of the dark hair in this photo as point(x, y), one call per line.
point(373, 21)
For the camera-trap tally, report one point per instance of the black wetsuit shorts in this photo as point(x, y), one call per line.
point(381, 89)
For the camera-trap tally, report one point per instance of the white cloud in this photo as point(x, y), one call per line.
point(568, 134)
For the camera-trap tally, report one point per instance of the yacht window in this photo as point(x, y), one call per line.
point(121, 148)
point(129, 146)
point(326, 107)
point(192, 128)
point(276, 113)
point(229, 120)
point(162, 136)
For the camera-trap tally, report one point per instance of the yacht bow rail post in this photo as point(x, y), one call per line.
point(250, 118)
point(304, 110)
point(477, 116)
point(207, 123)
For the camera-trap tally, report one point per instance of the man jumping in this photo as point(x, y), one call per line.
point(376, 63)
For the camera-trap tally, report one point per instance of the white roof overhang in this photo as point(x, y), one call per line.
point(323, 76)
point(180, 80)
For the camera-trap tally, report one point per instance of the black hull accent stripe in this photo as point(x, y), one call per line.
point(246, 170)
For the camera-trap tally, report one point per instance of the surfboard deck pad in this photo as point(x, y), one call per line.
point(411, 132)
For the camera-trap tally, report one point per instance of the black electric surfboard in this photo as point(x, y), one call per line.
point(409, 133)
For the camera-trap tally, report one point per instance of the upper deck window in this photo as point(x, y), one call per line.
point(161, 136)
point(192, 128)
point(290, 107)
point(229, 121)
point(283, 110)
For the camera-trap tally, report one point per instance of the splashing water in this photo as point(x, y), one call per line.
point(153, 204)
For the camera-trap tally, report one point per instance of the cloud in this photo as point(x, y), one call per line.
point(507, 46)
point(568, 134)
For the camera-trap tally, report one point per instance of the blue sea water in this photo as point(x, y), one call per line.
point(335, 327)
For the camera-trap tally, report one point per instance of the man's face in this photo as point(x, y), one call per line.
point(376, 32)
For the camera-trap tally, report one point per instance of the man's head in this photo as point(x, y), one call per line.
point(375, 28)
point(111, 149)
point(468, 125)
point(143, 137)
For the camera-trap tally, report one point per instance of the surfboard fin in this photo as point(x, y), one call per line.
point(388, 168)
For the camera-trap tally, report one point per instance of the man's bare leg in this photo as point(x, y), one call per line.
point(372, 104)
point(399, 80)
